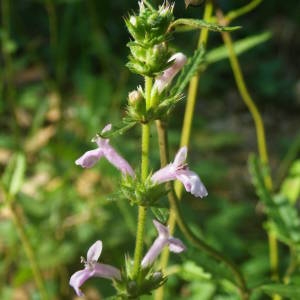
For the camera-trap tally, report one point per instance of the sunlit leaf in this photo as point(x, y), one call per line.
point(240, 47)
point(194, 24)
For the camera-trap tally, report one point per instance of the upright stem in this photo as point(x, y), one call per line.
point(260, 134)
point(198, 243)
point(144, 173)
point(27, 247)
point(185, 134)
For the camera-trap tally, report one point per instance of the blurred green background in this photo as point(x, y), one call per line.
point(62, 78)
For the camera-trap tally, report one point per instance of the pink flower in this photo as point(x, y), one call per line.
point(93, 269)
point(164, 238)
point(89, 158)
point(166, 77)
point(179, 170)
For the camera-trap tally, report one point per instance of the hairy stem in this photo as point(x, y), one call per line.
point(175, 208)
point(144, 173)
point(185, 135)
point(260, 135)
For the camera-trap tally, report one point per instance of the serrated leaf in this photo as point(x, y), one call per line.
point(118, 129)
point(288, 291)
point(188, 71)
point(194, 24)
point(283, 217)
point(291, 185)
point(240, 46)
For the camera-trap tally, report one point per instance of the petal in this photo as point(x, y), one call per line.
point(153, 252)
point(180, 157)
point(117, 160)
point(163, 175)
point(192, 183)
point(166, 77)
point(106, 128)
point(89, 158)
point(94, 251)
point(176, 245)
point(163, 231)
point(78, 278)
point(106, 271)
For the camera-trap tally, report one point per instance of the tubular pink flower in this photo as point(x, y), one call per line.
point(93, 269)
point(164, 238)
point(178, 169)
point(167, 76)
point(89, 158)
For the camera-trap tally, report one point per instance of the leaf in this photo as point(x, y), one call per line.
point(13, 176)
point(194, 24)
point(291, 185)
point(18, 174)
point(240, 46)
point(118, 129)
point(288, 291)
point(191, 271)
point(188, 71)
point(283, 216)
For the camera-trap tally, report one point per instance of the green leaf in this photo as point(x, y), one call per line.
point(191, 271)
point(118, 129)
point(288, 291)
point(188, 71)
point(194, 24)
point(14, 173)
point(18, 174)
point(240, 46)
point(291, 185)
point(283, 217)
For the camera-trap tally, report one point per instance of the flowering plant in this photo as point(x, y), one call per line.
point(150, 57)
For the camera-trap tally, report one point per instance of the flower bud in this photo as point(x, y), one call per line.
point(134, 98)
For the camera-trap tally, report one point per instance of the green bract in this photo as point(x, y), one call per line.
point(149, 52)
point(132, 288)
point(144, 193)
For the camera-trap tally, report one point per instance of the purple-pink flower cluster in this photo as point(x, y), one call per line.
point(94, 269)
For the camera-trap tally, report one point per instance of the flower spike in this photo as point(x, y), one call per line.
point(93, 269)
point(164, 238)
point(89, 158)
point(179, 170)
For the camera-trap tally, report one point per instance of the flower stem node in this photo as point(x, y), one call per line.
point(142, 192)
point(132, 288)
